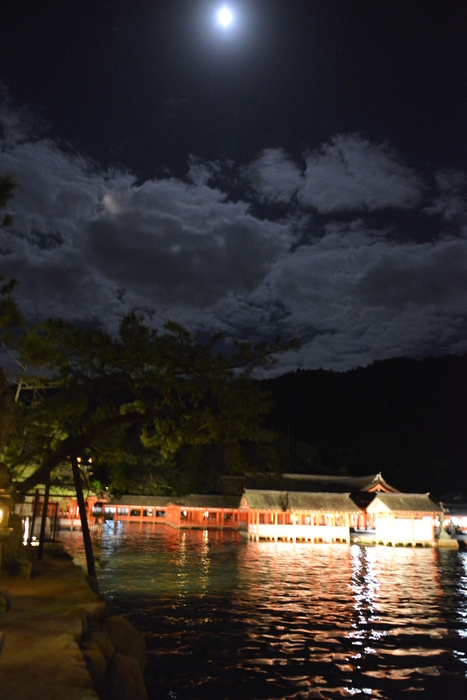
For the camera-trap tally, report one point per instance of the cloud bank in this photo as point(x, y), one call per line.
point(345, 265)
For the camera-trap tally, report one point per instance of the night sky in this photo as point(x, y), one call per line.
point(301, 171)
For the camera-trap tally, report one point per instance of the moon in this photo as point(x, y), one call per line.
point(225, 17)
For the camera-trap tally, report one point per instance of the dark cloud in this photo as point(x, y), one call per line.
point(91, 244)
point(183, 244)
point(419, 276)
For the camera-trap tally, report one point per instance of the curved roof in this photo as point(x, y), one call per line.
point(339, 484)
point(324, 483)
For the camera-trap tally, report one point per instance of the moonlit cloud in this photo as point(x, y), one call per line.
point(274, 176)
point(89, 245)
point(451, 201)
point(348, 173)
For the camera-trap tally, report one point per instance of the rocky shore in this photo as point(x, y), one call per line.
point(59, 640)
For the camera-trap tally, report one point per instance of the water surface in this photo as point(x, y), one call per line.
point(227, 619)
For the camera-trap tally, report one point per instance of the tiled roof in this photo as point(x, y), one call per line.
point(195, 500)
point(191, 501)
point(335, 484)
point(149, 501)
point(405, 502)
point(303, 482)
point(300, 501)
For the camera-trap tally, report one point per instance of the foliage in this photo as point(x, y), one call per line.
point(95, 394)
point(10, 314)
point(7, 190)
point(403, 417)
point(298, 456)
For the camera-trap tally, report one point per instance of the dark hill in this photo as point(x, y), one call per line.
point(406, 418)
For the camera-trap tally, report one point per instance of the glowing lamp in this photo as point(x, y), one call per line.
point(4, 515)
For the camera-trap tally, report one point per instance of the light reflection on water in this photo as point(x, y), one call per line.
point(226, 618)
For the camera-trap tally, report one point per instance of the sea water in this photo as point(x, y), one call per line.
point(225, 618)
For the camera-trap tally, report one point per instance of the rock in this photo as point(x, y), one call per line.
point(96, 664)
point(93, 583)
point(23, 567)
point(126, 639)
point(104, 643)
point(91, 614)
point(82, 615)
point(4, 602)
point(57, 552)
point(96, 611)
point(57, 560)
point(13, 544)
point(127, 680)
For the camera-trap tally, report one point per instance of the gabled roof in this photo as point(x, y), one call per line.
point(299, 501)
point(403, 503)
point(149, 501)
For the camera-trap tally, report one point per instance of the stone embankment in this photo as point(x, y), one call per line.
point(59, 641)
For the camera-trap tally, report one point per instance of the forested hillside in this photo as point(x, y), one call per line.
point(404, 417)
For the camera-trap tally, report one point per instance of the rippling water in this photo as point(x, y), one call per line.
point(229, 619)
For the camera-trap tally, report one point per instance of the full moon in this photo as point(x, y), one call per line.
point(225, 16)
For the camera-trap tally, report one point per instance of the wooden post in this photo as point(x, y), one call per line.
point(45, 507)
point(83, 517)
point(33, 519)
point(55, 522)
